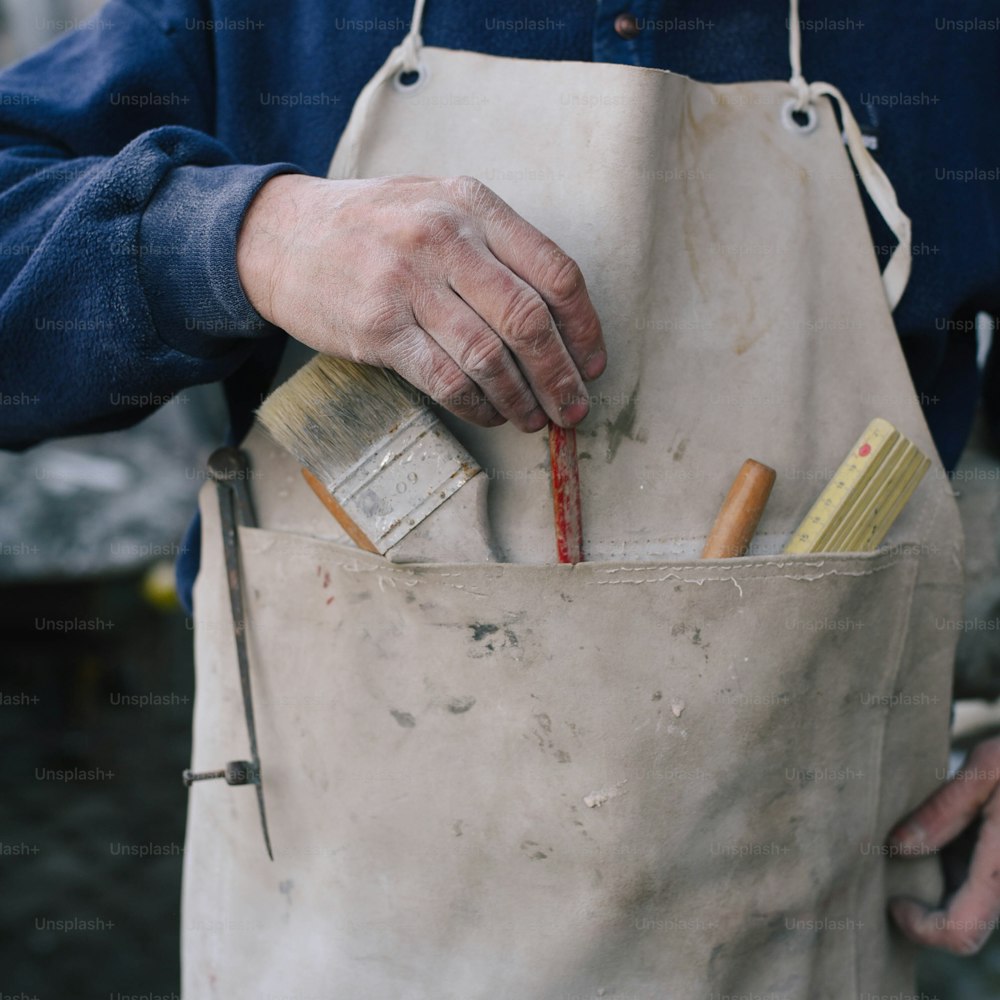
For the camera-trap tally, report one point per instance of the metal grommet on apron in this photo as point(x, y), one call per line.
point(644, 776)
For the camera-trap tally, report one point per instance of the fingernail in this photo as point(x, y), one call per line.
point(910, 834)
point(573, 413)
point(594, 364)
point(536, 421)
point(907, 912)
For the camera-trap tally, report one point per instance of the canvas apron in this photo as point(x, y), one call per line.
point(646, 775)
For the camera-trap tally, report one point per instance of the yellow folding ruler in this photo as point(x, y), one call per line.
point(865, 496)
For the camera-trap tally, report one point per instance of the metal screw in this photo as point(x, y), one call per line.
point(236, 772)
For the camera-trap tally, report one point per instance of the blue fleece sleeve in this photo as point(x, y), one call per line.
point(119, 215)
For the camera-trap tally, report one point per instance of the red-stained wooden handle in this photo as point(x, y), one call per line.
point(566, 494)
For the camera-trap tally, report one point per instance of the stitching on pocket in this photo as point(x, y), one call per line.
point(696, 572)
point(673, 574)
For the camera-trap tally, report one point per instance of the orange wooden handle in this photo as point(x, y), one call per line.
point(346, 522)
point(741, 511)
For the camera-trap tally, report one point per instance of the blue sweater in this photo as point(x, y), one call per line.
point(130, 149)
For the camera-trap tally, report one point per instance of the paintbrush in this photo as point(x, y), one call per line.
point(381, 462)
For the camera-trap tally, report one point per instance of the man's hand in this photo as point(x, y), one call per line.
point(436, 278)
point(972, 913)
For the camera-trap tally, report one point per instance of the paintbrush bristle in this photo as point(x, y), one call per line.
point(332, 411)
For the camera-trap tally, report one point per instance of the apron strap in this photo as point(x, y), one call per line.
point(798, 81)
point(876, 183)
point(412, 43)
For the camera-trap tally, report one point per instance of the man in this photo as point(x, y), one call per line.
point(158, 171)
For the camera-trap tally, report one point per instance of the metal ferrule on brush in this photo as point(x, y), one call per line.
point(403, 479)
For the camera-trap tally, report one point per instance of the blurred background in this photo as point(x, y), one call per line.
point(97, 682)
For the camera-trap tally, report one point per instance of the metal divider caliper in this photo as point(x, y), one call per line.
point(230, 469)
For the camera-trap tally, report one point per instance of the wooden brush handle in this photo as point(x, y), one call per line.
point(357, 535)
point(740, 513)
point(566, 494)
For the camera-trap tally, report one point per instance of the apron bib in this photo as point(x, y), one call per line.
point(644, 776)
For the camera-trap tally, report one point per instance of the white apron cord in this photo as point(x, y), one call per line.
point(412, 43)
point(879, 188)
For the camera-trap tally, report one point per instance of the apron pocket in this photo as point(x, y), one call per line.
point(540, 781)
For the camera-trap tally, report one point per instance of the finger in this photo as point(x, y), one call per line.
point(522, 321)
point(425, 365)
point(949, 810)
point(477, 350)
point(972, 914)
point(547, 268)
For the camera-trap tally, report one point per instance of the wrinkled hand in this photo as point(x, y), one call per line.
point(436, 278)
point(965, 924)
